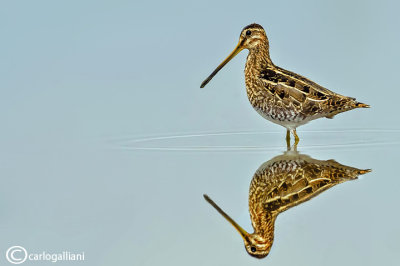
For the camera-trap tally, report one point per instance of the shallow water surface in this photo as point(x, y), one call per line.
point(107, 143)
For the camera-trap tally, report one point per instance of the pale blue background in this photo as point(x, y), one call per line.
point(81, 80)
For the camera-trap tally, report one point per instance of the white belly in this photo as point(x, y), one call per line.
point(287, 118)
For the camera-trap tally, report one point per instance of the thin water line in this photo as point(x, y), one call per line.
point(255, 148)
point(195, 135)
point(128, 143)
point(200, 149)
point(192, 135)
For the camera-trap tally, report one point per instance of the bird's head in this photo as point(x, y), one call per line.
point(256, 245)
point(252, 37)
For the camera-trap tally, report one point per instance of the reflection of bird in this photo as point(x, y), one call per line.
point(281, 183)
point(279, 95)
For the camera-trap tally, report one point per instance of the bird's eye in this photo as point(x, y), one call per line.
point(248, 33)
point(253, 249)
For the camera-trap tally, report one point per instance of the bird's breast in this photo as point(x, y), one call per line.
point(270, 106)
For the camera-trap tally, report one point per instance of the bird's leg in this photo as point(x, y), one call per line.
point(296, 138)
point(288, 139)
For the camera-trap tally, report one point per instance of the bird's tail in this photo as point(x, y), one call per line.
point(364, 171)
point(361, 105)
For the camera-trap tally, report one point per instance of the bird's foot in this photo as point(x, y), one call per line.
point(296, 138)
point(288, 139)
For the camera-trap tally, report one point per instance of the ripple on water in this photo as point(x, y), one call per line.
point(258, 140)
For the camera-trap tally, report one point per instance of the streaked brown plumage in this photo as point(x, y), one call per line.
point(281, 183)
point(279, 95)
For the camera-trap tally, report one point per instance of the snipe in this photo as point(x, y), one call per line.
point(281, 96)
point(281, 183)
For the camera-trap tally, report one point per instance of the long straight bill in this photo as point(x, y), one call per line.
point(232, 55)
point(241, 231)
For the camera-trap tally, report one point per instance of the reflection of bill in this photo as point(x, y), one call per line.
point(16, 255)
